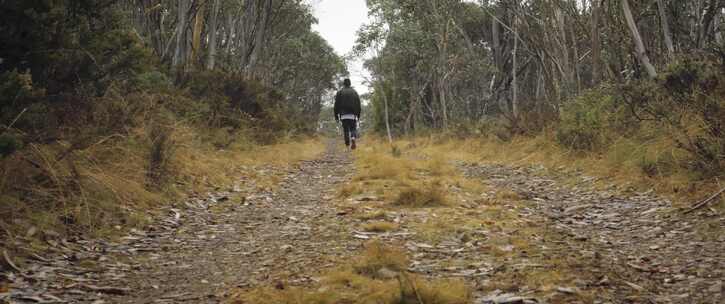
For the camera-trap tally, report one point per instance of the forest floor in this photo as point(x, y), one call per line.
point(510, 234)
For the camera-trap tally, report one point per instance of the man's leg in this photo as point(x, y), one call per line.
point(353, 133)
point(346, 132)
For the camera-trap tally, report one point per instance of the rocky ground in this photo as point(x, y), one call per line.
point(547, 241)
point(640, 249)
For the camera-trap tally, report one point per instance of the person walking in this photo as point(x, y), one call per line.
point(347, 110)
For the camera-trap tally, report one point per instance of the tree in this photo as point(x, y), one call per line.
point(667, 35)
point(640, 51)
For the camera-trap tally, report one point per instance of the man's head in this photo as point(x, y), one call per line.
point(347, 82)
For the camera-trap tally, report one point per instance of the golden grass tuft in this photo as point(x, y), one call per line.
point(361, 283)
point(419, 197)
point(91, 190)
point(349, 190)
point(507, 194)
point(373, 215)
point(378, 165)
point(438, 166)
point(446, 291)
point(377, 256)
point(380, 227)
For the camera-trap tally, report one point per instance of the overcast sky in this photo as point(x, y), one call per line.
point(339, 20)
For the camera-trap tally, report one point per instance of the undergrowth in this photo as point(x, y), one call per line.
point(377, 276)
point(99, 165)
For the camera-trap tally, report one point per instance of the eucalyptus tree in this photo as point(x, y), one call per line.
point(446, 62)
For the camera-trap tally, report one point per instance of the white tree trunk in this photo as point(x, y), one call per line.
point(641, 52)
point(211, 59)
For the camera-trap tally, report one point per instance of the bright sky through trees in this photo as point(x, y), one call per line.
point(339, 21)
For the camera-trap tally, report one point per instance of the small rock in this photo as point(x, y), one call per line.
point(385, 273)
point(576, 208)
point(716, 288)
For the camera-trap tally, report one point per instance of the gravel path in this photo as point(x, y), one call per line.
point(614, 248)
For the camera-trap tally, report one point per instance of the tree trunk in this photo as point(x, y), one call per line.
point(706, 26)
point(196, 36)
point(180, 51)
point(514, 84)
point(666, 29)
point(720, 22)
point(211, 57)
point(385, 111)
point(641, 52)
point(575, 61)
point(567, 76)
point(596, 43)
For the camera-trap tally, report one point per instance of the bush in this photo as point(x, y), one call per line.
point(8, 145)
point(687, 100)
point(152, 81)
point(593, 120)
point(161, 150)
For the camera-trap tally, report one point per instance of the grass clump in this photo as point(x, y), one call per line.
point(362, 283)
point(376, 257)
point(508, 194)
point(380, 227)
point(419, 197)
point(374, 215)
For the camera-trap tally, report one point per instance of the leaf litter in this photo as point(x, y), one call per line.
point(526, 237)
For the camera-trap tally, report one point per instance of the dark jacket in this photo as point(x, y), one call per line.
point(347, 102)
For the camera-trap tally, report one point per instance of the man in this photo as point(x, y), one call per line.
point(347, 109)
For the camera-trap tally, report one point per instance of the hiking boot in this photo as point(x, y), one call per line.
point(353, 146)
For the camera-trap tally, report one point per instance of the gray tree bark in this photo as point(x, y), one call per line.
point(181, 37)
point(514, 84)
point(596, 43)
point(640, 51)
point(666, 29)
point(211, 59)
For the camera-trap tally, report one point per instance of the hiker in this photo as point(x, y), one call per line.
point(347, 110)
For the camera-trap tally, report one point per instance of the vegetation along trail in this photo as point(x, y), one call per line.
point(503, 234)
point(248, 235)
point(182, 151)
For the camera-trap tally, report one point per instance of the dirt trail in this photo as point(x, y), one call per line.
point(207, 246)
point(613, 248)
point(633, 248)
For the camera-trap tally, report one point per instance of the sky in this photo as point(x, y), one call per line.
point(339, 20)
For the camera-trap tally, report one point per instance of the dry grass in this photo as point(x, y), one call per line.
point(380, 227)
point(92, 190)
point(377, 276)
point(422, 196)
point(507, 194)
point(625, 162)
point(376, 256)
point(373, 215)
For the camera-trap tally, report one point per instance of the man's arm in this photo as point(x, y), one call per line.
point(336, 108)
point(357, 105)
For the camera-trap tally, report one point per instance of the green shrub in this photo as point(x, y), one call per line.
point(688, 100)
point(593, 119)
point(8, 144)
point(152, 81)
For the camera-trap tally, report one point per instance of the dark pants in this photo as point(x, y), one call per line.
point(349, 129)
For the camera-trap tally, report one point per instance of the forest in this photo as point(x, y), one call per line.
point(512, 151)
